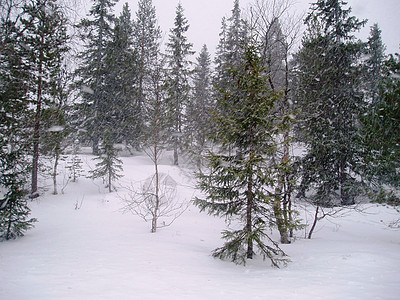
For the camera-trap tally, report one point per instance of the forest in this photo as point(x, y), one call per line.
point(262, 126)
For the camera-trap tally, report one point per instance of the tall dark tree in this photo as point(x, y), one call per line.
point(147, 36)
point(230, 48)
point(14, 125)
point(179, 51)
point(109, 166)
point(121, 110)
point(236, 184)
point(381, 131)
point(374, 64)
point(96, 33)
point(229, 54)
point(45, 41)
point(330, 100)
point(201, 104)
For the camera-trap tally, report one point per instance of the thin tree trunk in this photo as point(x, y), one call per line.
point(249, 217)
point(314, 223)
point(36, 132)
point(176, 158)
point(280, 221)
point(109, 181)
point(155, 159)
point(157, 199)
point(55, 192)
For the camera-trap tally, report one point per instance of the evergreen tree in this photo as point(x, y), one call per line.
point(201, 105)
point(330, 100)
point(96, 33)
point(374, 64)
point(381, 131)
point(179, 52)
point(236, 37)
point(229, 54)
point(230, 47)
point(14, 211)
point(122, 111)
point(74, 164)
point(14, 143)
point(147, 35)
point(236, 185)
point(109, 164)
point(45, 42)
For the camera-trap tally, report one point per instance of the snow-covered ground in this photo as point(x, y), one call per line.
point(85, 247)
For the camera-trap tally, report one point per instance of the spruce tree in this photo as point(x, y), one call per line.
point(381, 131)
point(45, 42)
point(236, 184)
point(96, 33)
point(374, 64)
point(109, 166)
point(147, 36)
point(179, 51)
point(229, 54)
point(74, 164)
point(121, 110)
point(200, 107)
point(230, 47)
point(14, 142)
point(14, 210)
point(330, 99)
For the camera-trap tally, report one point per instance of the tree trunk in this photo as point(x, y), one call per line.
point(249, 217)
point(345, 197)
point(55, 192)
point(280, 220)
point(109, 181)
point(36, 132)
point(314, 223)
point(176, 158)
point(157, 199)
point(249, 220)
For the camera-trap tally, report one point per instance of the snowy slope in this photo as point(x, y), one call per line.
point(98, 252)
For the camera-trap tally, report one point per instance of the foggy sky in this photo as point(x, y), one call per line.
point(205, 17)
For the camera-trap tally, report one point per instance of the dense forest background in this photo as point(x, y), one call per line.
point(108, 82)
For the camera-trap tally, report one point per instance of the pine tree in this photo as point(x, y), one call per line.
point(230, 47)
point(109, 165)
point(96, 33)
point(147, 36)
point(122, 111)
point(374, 64)
point(330, 101)
point(14, 117)
point(381, 131)
point(74, 164)
point(179, 52)
point(236, 185)
point(229, 54)
point(14, 211)
point(201, 105)
point(45, 41)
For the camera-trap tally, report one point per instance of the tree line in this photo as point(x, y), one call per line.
point(238, 117)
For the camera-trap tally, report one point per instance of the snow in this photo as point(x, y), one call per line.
point(55, 128)
point(85, 247)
